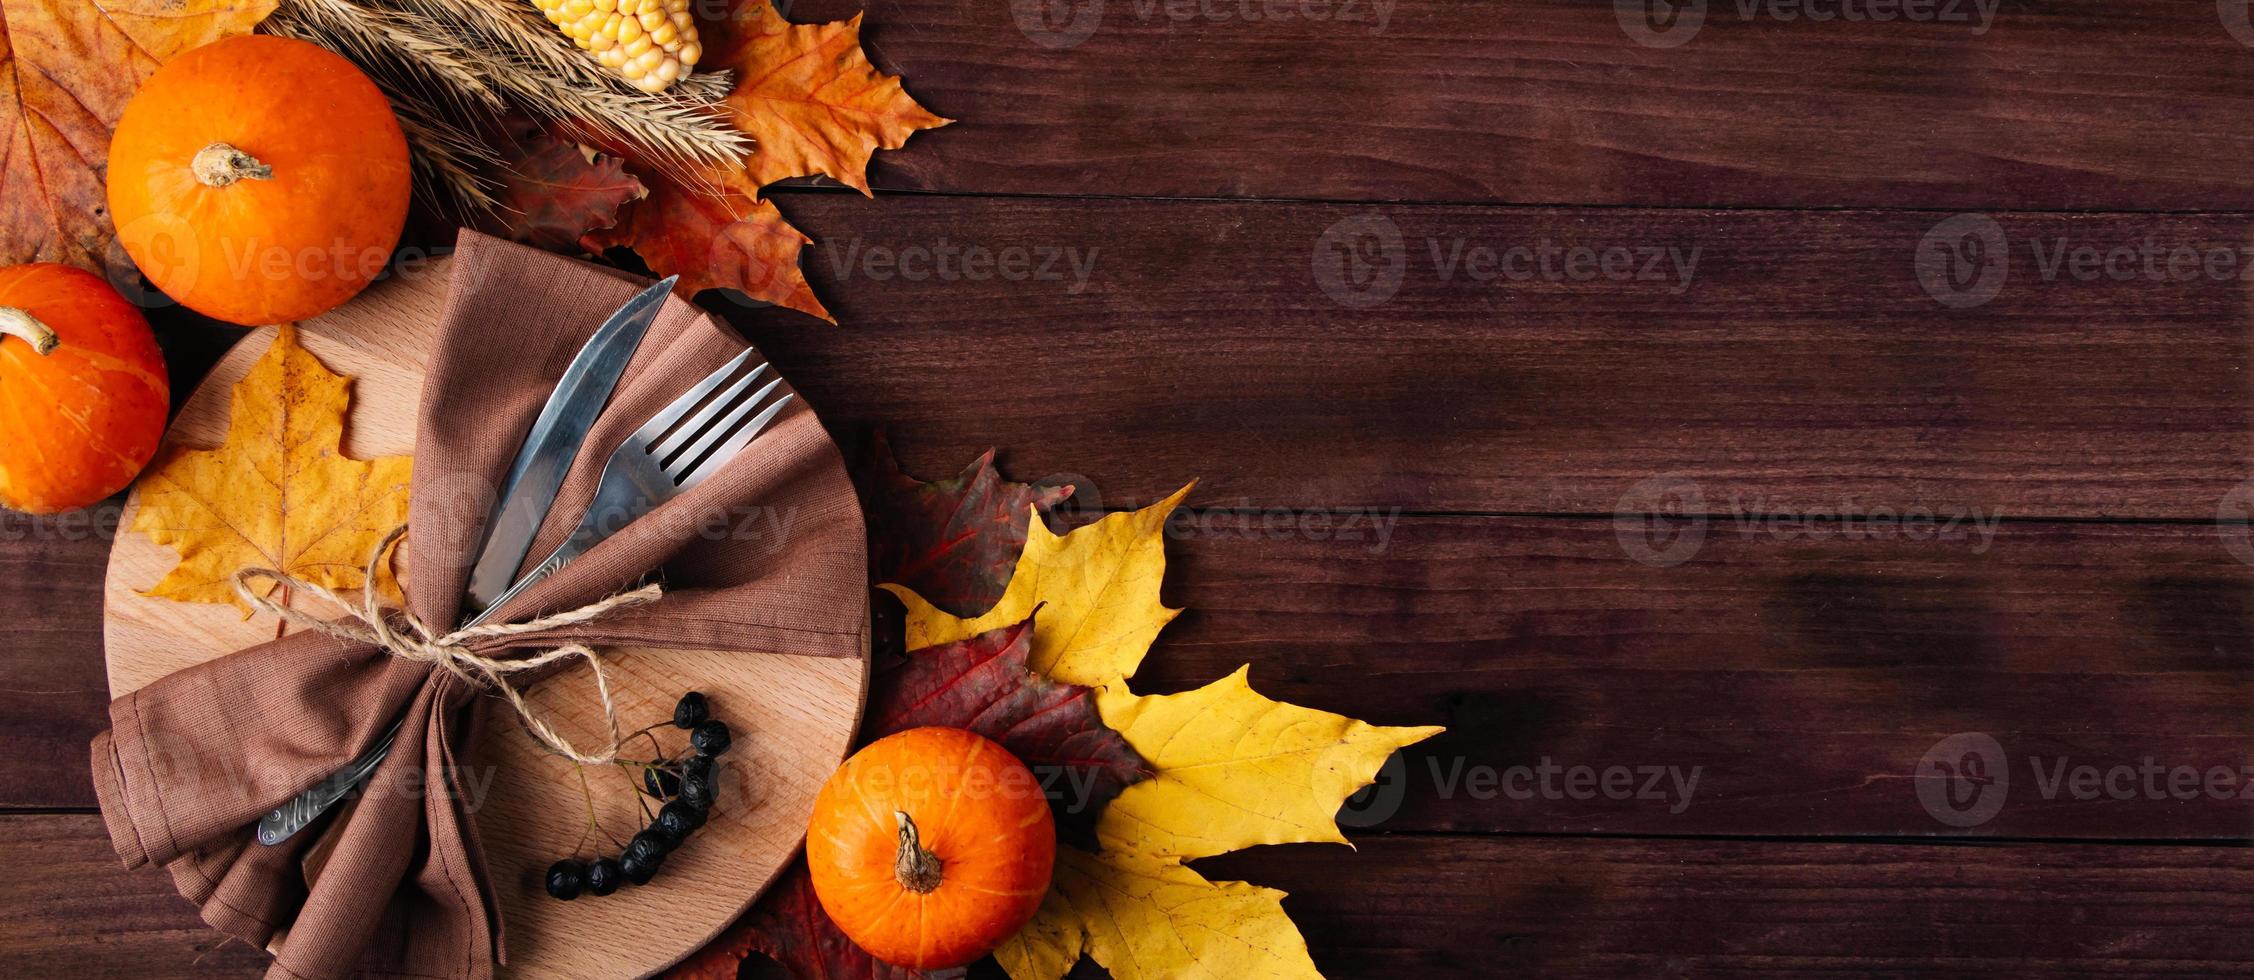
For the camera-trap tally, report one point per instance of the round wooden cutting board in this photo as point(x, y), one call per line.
point(794, 715)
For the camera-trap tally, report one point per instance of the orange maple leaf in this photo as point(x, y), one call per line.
point(67, 68)
point(809, 99)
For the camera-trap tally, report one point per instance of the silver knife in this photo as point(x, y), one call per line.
point(530, 491)
point(554, 441)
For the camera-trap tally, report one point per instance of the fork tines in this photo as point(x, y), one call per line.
point(693, 448)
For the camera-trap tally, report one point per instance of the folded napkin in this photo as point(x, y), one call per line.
point(193, 760)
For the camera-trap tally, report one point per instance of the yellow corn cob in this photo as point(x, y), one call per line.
point(651, 43)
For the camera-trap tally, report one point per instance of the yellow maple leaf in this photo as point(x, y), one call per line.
point(1049, 945)
point(809, 99)
point(1097, 588)
point(1144, 917)
point(1235, 769)
point(279, 494)
point(67, 68)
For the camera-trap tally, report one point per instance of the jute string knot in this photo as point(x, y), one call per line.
point(366, 622)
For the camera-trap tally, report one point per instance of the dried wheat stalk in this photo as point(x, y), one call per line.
point(478, 57)
point(451, 162)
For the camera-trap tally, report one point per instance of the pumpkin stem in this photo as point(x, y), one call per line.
point(17, 323)
point(917, 869)
point(221, 164)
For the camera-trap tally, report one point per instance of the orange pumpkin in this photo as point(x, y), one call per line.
point(83, 390)
point(930, 847)
point(259, 179)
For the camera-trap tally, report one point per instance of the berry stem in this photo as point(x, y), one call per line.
point(586, 793)
point(626, 771)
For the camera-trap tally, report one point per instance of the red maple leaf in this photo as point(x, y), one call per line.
point(984, 685)
point(953, 541)
point(553, 191)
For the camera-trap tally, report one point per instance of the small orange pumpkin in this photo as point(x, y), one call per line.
point(259, 179)
point(930, 847)
point(83, 389)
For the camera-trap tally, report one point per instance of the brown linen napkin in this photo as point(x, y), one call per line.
point(193, 760)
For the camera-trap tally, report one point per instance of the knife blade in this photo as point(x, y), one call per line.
point(553, 443)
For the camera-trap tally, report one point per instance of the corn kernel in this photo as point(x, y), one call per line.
point(648, 43)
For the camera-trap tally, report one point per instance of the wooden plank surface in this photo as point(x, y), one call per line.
point(74, 912)
point(54, 694)
point(1456, 906)
point(1484, 906)
point(1319, 350)
point(2074, 104)
point(1802, 367)
point(1781, 679)
point(1798, 364)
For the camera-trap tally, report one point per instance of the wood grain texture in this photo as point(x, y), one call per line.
point(2077, 104)
point(1478, 907)
point(53, 695)
point(1803, 671)
point(1455, 906)
point(74, 913)
point(796, 714)
point(1794, 677)
point(1803, 367)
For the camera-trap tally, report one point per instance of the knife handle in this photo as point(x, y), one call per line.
point(284, 821)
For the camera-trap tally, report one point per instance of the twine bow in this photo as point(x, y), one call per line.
point(367, 623)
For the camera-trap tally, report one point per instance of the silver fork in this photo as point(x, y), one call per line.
point(665, 458)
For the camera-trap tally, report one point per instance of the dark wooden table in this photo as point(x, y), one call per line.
point(1816, 476)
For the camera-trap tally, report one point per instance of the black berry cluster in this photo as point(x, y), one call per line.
point(686, 788)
